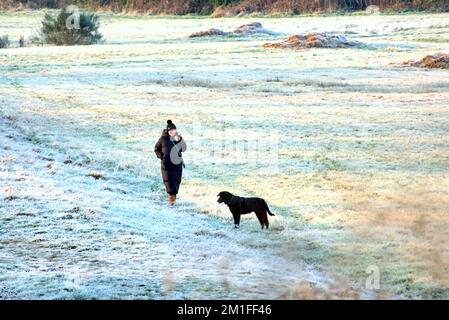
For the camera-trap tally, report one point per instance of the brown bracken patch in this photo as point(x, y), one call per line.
point(314, 40)
point(434, 61)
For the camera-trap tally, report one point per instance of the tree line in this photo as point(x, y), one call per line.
point(181, 7)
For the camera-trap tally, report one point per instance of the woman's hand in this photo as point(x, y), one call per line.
point(177, 137)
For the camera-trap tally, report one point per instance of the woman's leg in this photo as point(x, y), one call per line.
point(170, 187)
point(172, 190)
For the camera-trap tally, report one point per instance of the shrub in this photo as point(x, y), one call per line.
point(4, 41)
point(71, 28)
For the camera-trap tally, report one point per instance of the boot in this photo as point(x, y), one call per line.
point(172, 199)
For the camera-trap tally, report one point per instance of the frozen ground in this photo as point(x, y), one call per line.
point(360, 176)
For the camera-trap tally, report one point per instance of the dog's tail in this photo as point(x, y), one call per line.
point(268, 209)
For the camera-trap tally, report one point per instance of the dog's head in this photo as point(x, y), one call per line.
point(224, 196)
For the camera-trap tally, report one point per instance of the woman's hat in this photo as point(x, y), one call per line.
point(170, 125)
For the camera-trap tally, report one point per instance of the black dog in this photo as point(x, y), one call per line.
point(240, 205)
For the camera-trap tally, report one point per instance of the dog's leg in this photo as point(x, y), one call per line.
point(236, 219)
point(260, 218)
point(267, 223)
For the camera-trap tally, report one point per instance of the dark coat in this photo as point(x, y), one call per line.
point(171, 172)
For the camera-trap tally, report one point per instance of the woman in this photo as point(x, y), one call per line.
point(169, 149)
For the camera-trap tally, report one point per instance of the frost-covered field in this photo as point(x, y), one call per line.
point(361, 158)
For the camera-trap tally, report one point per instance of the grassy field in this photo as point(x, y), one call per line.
point(358, 175)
